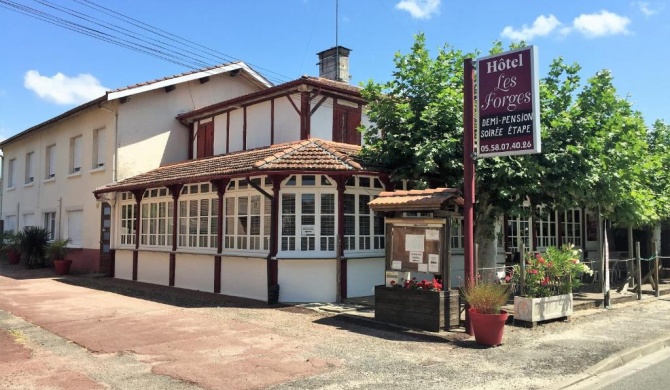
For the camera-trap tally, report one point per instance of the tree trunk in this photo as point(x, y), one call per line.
point(485, 237)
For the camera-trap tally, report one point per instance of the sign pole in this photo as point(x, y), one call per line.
point(469, 178)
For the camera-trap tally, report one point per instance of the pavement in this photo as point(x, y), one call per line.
point(100, 333)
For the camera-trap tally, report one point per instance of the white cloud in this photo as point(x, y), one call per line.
point(591, 25)
point(645, 8)
point(62, 89)
point(601, 24)
point(542, 26)
point(420, 9)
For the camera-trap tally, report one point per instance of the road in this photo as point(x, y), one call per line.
point(649, 373)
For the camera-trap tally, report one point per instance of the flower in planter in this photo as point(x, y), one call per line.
point(555, 272)
point(413, 284)
point(485, 296)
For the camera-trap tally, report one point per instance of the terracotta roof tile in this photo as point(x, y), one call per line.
point(430, 199)
point(307, 155)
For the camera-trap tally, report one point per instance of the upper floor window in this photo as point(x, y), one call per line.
point(346, 120)
point(75, 154)
point(99, 145)
point(50, 167)
point(30, 175)
point(11, 173)
point(205, 139)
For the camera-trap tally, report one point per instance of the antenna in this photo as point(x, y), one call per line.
point(337, 46)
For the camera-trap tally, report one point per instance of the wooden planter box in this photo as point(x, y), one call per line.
point(418, 309)
point(542, 309)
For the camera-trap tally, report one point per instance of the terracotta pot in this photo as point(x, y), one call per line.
point(13, 256)
point(62, 266)
point(488, 328)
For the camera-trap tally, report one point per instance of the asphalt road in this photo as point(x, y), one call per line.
point(649, 372)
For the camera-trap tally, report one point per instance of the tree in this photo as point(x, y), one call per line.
point(594, 145)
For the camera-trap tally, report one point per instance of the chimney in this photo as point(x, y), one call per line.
point(334, 63)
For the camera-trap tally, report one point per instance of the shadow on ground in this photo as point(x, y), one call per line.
point(369, 327)
point(173, 296)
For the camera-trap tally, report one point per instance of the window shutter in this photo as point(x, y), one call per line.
point(52, 161)
point(74, 227)
point(76, 155)
point(100, 151)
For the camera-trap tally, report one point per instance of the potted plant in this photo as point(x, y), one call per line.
point(12, 246)
point(33, 243)
point(57, 251)
point(486, 300)
point(548, 281)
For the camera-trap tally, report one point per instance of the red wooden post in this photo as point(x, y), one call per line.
point(469, 177)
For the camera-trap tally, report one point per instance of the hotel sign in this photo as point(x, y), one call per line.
point(508, 104)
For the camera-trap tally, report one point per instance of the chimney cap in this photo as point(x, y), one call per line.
point(328, 52)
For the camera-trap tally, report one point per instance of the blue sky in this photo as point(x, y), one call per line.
point(47, 70)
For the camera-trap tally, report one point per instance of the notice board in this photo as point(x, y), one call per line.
point(416, 245)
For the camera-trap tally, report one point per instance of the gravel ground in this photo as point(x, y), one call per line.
point(344, 353)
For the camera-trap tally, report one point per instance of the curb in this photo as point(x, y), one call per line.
point(619, 359)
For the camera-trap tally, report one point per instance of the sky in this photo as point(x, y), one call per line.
point(47, 70)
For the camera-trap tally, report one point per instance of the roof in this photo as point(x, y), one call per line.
point(148, 86)
point(319, 83)
point(188, 76)
point(313, 155)
point(414, 200)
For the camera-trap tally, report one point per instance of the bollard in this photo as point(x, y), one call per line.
point(638, 271)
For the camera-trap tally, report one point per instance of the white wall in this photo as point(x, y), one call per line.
point(287, 120)
point(149, 133)
point(153, 267)
point(123, 265)
point(322, 120)
point(307, 280)
point(194, 272)
point(64, 192)
point(258, 125)
point(236, 133)
point(220, 126)
point(244, 277)
point(363, 275)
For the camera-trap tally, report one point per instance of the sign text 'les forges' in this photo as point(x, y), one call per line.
point(508, 104)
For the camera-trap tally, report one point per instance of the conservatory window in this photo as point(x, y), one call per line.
point(572, 227)
point(198, 216)
point(247, 217)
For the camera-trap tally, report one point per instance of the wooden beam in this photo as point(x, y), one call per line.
point(293, 104)
point(317, 105)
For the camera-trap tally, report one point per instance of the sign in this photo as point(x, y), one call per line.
point(508, 104)
point(308, 230)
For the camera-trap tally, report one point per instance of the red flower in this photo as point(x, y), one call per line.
point(545, 281)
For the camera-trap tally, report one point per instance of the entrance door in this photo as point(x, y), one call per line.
point(106, 266)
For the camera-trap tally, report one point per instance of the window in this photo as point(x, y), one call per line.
point(346, 120)
point(198, 210)
point(157, 209)
point(28, 219)
point(30, 175)
point(75, 154)
point(247, 218)
point(74, 227)
point(10, 223)
point(363, 229)
point(11, 173)
point(50, 224)
point(308, 215)
point(99, 148)
point(457, 233)
point(50, 167)
point(205, 139)
point(128, 207)
point(518, 232)
point(545, 230)
point(572, 227)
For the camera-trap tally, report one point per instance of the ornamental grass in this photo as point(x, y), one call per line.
point(486, 297)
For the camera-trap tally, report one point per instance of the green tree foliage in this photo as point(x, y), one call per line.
point(595, 150)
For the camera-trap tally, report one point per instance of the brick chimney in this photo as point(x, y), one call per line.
point(334, 63)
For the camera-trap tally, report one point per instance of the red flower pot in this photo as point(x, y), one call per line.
point(488, 328)
point(62, 266)
point(13, 256)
